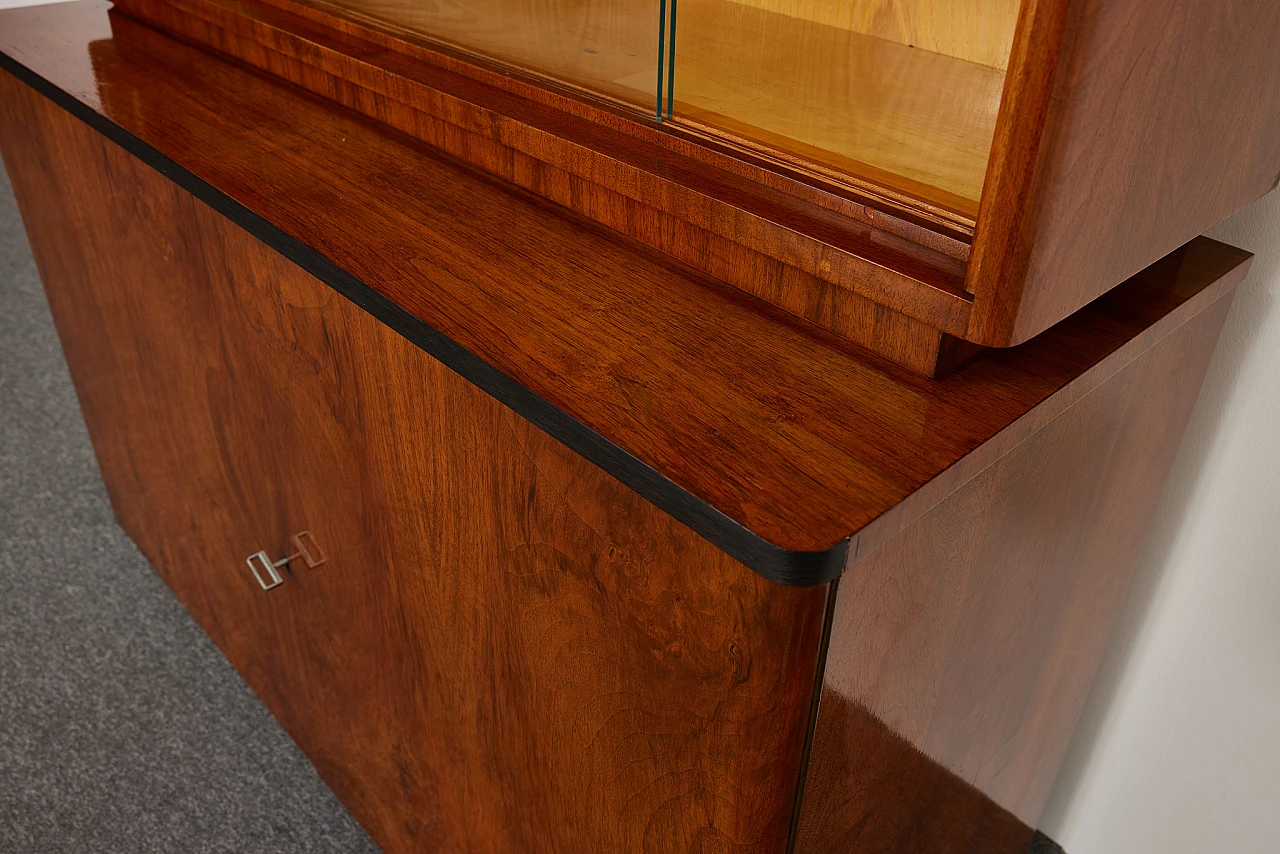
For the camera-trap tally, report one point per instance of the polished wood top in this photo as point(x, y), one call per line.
point(792, 451)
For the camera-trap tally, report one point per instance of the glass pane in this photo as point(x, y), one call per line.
point(849, 86)
point(608, 47)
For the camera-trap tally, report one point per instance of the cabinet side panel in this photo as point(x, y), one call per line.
point(963, 649)
point(506, 649)
point(1162, 120)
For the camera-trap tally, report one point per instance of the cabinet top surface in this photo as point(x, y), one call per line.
point(791, 450)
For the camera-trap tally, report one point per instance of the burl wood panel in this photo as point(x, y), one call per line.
point(963, 649)
point(507, 650)
point(1128, 127)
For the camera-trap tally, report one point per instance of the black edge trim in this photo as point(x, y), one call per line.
point(1042, 844)
point(819, 677)
point(784, 566)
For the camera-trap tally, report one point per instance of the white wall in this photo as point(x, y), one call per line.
point(1179, 748)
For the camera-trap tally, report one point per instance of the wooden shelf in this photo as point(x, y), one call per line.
point(906, 118)
point(979, 31)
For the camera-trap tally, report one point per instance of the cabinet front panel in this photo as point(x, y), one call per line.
point(505, 649)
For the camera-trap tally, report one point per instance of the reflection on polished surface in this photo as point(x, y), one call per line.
point(939, 806)
point(611, 524)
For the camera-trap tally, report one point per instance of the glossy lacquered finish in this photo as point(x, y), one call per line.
point(859, 277)
point(1128, 127)
point(974, 633)
point(506, 649)
point(792, 451)
point(467, 395)
point(1095, 171)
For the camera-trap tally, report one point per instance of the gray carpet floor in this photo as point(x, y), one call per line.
point(122, 728)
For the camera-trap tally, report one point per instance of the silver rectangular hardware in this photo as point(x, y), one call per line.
point(306, 548)
point(261, 560)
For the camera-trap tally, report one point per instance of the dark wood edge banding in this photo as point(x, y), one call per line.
point(784, 566)
point(819, 680)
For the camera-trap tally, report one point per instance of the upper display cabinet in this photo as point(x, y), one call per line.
point(919, 176)
point(899, 95)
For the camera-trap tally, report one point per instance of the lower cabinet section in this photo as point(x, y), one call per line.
point(504, 649)
point(488, 644)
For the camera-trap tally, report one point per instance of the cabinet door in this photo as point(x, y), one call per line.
point(506, 649)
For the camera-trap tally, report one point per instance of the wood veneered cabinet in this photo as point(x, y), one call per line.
point(917, 176)
point(505, 649)
point(615, 557)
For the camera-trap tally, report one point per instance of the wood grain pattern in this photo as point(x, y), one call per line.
point(801, 440)
point(1129, 127)
point(1098, 171)
point(884, 795)
point(605, 46)
point(507, 649)
point(973, 635)
point(915, 121)
point(748, 234)
point(978, 31)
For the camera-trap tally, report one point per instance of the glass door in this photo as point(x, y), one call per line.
point(901, 93)
point(605, 47)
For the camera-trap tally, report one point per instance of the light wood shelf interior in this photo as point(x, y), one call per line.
point(918, 121)
point(979, 31)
